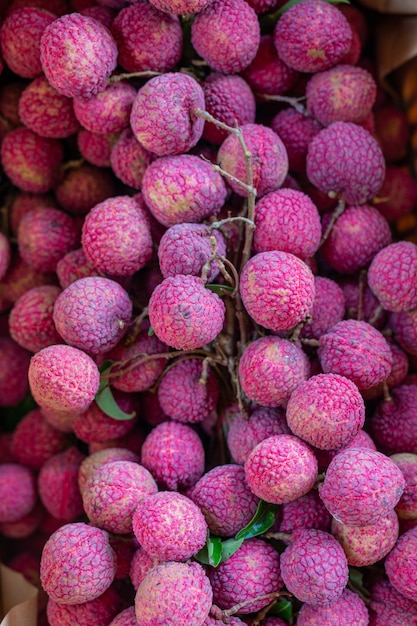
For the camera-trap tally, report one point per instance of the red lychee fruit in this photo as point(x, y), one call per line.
point(18, 491)
point(108, 111)
point(95, 460)
point(125, 618)
point(348, 608)
point(72, 266)
point(400, 565)
point(35, 440)
point(14, 364)
point(388, 606)
point(394, 423)
point(24, 202)
point(398, 194)
point(392, 276)
point(83, 187)
point(96, 148)
point(308, 511)
point(58, 485)
point(328, 308)
point(267, 73)
point(129, 159)
point(181, 7)
point(94, 425)
point(98, 611)
point(296, 131)
point(407, 504)
point(393, 131)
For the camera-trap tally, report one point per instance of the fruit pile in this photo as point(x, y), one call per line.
point(208, 329)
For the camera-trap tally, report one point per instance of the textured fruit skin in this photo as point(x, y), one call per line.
point(387, 606)
point(93, 314)
point(125, 618)
point(35, 440)
point(184, 314)
point(63, 377)
point(21, 277)
point(186, 248)
point(94, 461)
point(277, 289)
point(252, 571)
point(328, 308)
point(244, 434)
point(356, 237)
point(20, 37)
point(225, 499)
point(314, 567)
point(108, 111)
point(129, 159)
point(400, 192)
point(169, 526)
point(116, 236)
point(94, 425)
point(96, 148)
point(326, 410)
point(82, 188)
point(400, 565)
point(44, 236)
point(393, 132)
point(296, 131)
point(341, 94)
point(74, 553)
point(47, 112)
point(174, 454)
point(183, 396)
point(143, 23)
point(270, 369)
point(78, 54)
point(181, 7)
point(226, 35)
point(407, 505)
point(281, 468)
point(392, 276)
point(112, 492)
point(365, 545)
point(357, 179)
point(163, 116)
point(72, 266)
point(174, 591)
point(32, 162)
point(18, 491)
point(14, 364)
point(394, 423)
point(312, 37)
point(182, 188)
point(306, 512)
point(357, 351)
point(370, 304)
point(140, 565)
point(268, 74)
point(404, 327)
point(361, 486)
point(269, 159)
point(287, 220)
point(98, 611)
point(58, 485)
point(348, 608)
point(230, 100)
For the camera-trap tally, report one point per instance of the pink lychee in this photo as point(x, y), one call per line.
point(392, 276)
point(58, 485)
point(18, 491)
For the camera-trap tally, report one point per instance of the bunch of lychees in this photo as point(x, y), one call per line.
point(208, 317)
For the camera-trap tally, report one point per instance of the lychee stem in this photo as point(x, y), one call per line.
point(262, 614)
point(135, 328)
point(341, 205)
point(237, 607)
point(216, 168)
point(377, 313)
point(313, 343)
point(228, 220)
point(294, 102)
point(278, 536)
point(295, 335)
point(386, 394)
point(145, 74)
point(72, 165)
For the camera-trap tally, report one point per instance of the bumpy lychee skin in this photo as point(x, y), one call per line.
point(145, 23)
point(281, 468)
point(129, 159)
point(308, 511)
point(344, 93)
point(20, 37)
point(169, 526)
point(186, 394)
point(358, 297)
point(30, 320)
point(163, 116)
point(404, 327)
point(25, 202)
point(112, 492)
point(64, 378)
point(95, 460)
point(398, 193)
point(270, 369)
point(312, 37)
point(394, 423)
point(58, 485)
point(175, 312)
point(226, 35)
point(98, 611)
point(128, 248)
point(108, 111)
point(253, 570)
point(287, 220)
point(230, 100)
point(268, 74)
point(277, 289)
point(47, 112)
point(72, 266)
point(357, 179)
point(83, 187)
point(179, 591)
point(44, 236)
point(361, 486)
point(314, 567)
point(357, 351)
point(93, 314)
point(95, 426)
point(18, 491)
point(388, 606)
point(78, 564)
point(96, 148)
point(182, 188)
point(14, 364)
point(326, 410)
point(186, 248)
point(269, 159)
point(140, 565)
point(296, 131)
point(356, 237)
point(32, 162)
point(244, 434)
point(400, 565)
point(125, 618)
point(78, 54)
point(348, 608)
point(392, 276)
point(365, 545)
point(35, 440)
point(328, 308)
point(225, 499)
point(407, 505)
point(393, 132)
point(181, 7)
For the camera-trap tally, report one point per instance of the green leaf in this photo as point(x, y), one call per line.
point(229, 547)
point(282, 609)
point(151, 331)
point(211, 553)
point(105, 400)
point(219, 289)
point(260, 522)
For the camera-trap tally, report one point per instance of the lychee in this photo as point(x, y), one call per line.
point(18, 491)
point(392, 276)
